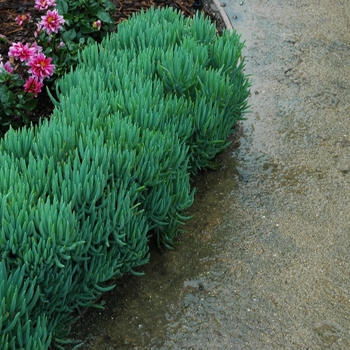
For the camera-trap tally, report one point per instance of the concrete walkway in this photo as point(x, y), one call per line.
point(294, 166)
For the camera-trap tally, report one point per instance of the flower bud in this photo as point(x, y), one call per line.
point(96, 25)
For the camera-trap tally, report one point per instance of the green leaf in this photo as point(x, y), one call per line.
point(3, 92)
point(62, 7)
point(69, 35)
point(93, 8)
point(30, 104)
point(86, 30)
point(6, 97)
point(68, 16)
point(3, 40)
point(108, 5)
point(4, 76)
point(17, 82)
point(104, 16)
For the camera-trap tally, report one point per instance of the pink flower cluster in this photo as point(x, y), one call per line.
point(44, 4)
point(21, 19)
point(52, 22)
point(40, 65)
point(23, 52)
point(33, 85)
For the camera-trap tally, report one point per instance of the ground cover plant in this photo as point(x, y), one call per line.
point(84, 192)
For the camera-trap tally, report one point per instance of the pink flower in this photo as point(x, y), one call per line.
point(52, 22)
point(23, 52)
point(8, 67)
point(44, 4)
point(37, 48)
point(21, 19)
point(60, 45)
point(96, 25)
point(33, 85)
point(41, 66)
point(39, 28)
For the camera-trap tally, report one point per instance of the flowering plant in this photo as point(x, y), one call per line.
point(61, 29)
point(88, 18)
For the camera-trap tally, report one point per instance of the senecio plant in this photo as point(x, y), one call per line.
point(82, 194)
point(62, 28)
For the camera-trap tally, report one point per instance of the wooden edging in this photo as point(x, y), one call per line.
point(223, 15)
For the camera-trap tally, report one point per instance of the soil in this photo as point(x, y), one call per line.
point(124, 9)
